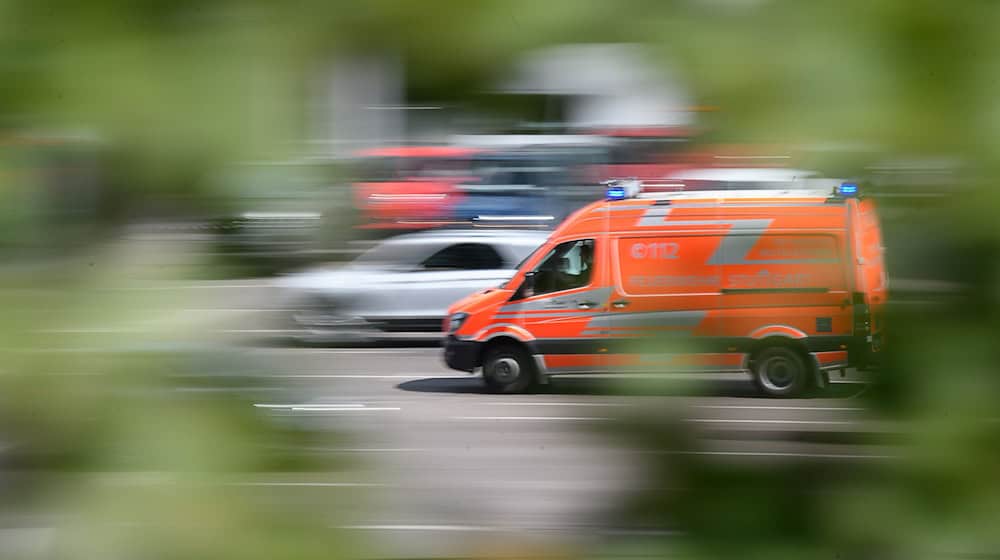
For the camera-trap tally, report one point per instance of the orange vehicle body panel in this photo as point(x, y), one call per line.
point(697, 282)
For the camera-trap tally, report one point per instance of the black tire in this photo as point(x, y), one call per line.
point(508, 369)
point(780, 371)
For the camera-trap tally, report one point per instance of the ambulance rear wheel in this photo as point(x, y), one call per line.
point(508, 369)
point(780, 371)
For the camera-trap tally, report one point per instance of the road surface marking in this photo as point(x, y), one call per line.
point(758, 407)
point(783, 454)
point(265, 405)
point(527, 418)
point(420, 527)
point(229, 309)
point(341, 409)
point(378, 450)
point(373, 376)
point(733, 421)
point(480, 528)
point(326, 407)
point(532, 403)
point(313, 484)
point(255, 331)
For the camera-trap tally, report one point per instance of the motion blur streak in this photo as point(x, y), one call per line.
point(231, 232)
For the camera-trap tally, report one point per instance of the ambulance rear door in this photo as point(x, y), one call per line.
point(871, 282)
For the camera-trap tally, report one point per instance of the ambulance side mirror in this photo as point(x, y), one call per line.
point(527, 288)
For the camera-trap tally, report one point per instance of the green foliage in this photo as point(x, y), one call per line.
point(174, 90)
point(141, 441)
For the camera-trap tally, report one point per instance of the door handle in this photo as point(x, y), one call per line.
point(618, 304)
point(586, 304)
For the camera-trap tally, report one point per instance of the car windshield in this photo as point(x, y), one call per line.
point(393, 252)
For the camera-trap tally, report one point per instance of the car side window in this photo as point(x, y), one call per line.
point(464, 256)
point(569, 265)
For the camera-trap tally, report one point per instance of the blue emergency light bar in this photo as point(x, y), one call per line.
point(615, 193)
point(620, 190)
point(847, 189)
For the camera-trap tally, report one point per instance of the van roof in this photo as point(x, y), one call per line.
point(721, 196)
point(418, 152)
point(792, 208)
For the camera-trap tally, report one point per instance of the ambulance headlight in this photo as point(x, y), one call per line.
point(455, 321)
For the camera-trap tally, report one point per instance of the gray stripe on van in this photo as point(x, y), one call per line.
point(654, 216)
point(736, 244)
point(546, 314)
point(683, 319)
point(734, 249)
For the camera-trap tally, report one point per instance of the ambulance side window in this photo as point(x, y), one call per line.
point(569, 265)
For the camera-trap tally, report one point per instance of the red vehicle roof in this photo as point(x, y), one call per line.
point(647, 132)
point(419, 152)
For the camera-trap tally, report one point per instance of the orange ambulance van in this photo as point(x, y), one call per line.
point(786, 285)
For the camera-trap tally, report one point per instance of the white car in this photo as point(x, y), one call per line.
point(401, 288)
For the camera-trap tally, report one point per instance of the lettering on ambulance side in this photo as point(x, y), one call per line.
point(654, 250)
point(736, 245)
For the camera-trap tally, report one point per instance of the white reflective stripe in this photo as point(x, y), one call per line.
point(650, 217)
point(512, 330)
point(543, 314)
point(682, 319)
point(547, 302)
point(778, 331)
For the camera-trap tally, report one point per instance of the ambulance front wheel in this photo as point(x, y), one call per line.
point(780, 371)
point(508, 369)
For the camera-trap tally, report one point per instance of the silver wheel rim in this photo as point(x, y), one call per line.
point(506, 370)
point(778, 373)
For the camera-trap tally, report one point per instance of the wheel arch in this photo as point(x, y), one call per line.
point(760, 344)
point(502, 339)
point(534, 363)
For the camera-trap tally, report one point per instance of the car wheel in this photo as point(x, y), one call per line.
point(779, 371)
point(508, 369)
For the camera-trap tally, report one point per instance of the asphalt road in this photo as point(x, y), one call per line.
point(436, 466)
point(447, 465)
